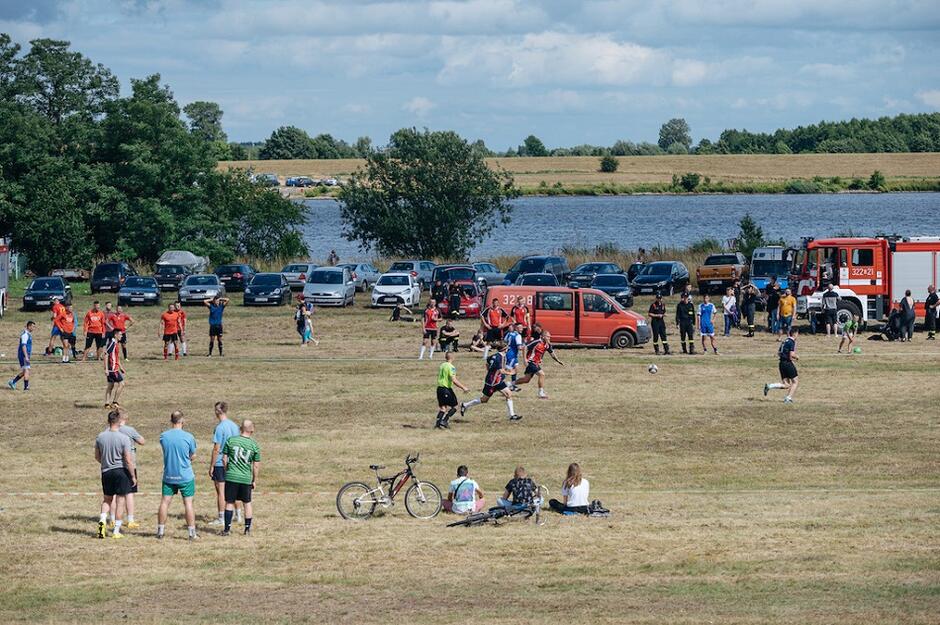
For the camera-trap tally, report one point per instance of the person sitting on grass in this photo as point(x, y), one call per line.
point(575, 493)
point(477, 344)
point(519, 492)
point(464, 495)
point(397, 313)
point(449, 338)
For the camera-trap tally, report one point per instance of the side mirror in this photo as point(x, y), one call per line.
point(573, 285)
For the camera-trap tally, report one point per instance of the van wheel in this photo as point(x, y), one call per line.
point(622, 340)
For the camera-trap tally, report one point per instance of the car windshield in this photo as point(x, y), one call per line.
point(170, 269)
point(657, 269)
point(45, 284)
point(294, 269)
point(109, 270)
point(596, 268)
point(401, 267)
point(770, 268)
point(326, 277)
point(722, 259)
point(202, 281)
point(469, 290)
point(485, 267)
point(528, 265)
point(266, 279)
point(610, 280)
point(539, 280)
point(140, 282)
point(458, 273)
point(393, 281)
point(228, 268)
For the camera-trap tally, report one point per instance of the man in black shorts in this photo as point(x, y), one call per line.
point(494, 320)
point(496, 372)
point(446, 399)
point(788, 373)
point(241, 458)
point(118, 472)
point(216, 307)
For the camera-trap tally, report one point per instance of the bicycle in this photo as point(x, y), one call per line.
point(498, 514)
point(356, 501)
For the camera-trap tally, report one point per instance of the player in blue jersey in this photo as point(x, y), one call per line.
point(706, 323)
point(24, 351)
point(515, 351)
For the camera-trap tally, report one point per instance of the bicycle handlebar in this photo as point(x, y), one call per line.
point(409, 459)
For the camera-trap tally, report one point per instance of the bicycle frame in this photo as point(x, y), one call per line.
point(386, 500)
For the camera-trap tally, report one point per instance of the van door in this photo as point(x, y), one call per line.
point(596, 318)
point(554, 310)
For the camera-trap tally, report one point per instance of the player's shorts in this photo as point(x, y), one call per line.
point(97, 339)
point(215, 329)
point(706, 329)
point(493, 334)
point(123, 340)
point(55, 331)
point(446, 396)
point(116, 482)
point(169, 338)
point(237, 492)
point(115, 377)
point(186, 490)
point(512, 362)
point(68, 338)
point(430, 334)
point(218, 473)
point(24, 364)
point(831, 317)
point(532, 369)
point(489, 390)
point(787, 370)
point(109, 335)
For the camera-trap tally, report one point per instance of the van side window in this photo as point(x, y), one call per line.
point(596, 303)
point(555, 301)
point(863, 258)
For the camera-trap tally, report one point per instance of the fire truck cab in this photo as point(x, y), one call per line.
point(869, 274)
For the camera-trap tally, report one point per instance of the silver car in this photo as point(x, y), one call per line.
point(199, 287)
point(330, 286)
point(420, 269)
point(296, 274)
point(488, 275)
point(364, 274)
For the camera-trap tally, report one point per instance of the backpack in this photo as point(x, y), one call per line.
point(597, 509)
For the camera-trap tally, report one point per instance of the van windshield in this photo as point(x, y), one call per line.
point(326, 277)
point(657, 269)
point(770, 268)
point(110, 270)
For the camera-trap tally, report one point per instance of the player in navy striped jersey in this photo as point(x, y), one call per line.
point(496, 371)
point(113, 370)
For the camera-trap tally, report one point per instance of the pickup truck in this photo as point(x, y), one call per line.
point(720, 271)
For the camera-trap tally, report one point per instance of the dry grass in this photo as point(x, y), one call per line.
point(728, 508)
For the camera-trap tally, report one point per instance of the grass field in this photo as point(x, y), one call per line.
point(727, 507)
point(574, 172)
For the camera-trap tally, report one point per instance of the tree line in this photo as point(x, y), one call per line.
point(86, 173)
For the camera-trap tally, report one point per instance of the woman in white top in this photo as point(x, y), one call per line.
point(575, 493)
point(730, 303)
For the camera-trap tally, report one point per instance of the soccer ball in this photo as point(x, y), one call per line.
point(857, 350)
point(652, 368)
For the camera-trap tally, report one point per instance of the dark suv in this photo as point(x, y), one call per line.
point(170, 277)
point(110, 276)
point(555, 265)
point(235, 277)
point(663, 276)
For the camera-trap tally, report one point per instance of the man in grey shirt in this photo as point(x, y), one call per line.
point(127, 510)
point(118, 471)
point(830, 308)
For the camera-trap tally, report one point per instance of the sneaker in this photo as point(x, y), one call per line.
point(216, 522)
point(788, 400)
point(463, 409)
point(117, 535)
point(12, 385)
point(101, 529)
point(438, 426)
point(247, 531)
point(543, 396)
point(194, 537)
point(159, 536)
point(226, 533)
point(766, 389)
point(515, 389)
point(515, 417)
point(133, 525)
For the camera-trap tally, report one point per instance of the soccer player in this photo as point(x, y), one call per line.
point(94, 331)
point(520, 316)
point(849, 328)
point(54, 312)
point(120, 320)
point(657, 313)
point(241, 458)
point(788, 373)
point(108, 326)
point(493, 319)
point(446, 399)
point(706, 323)
point(224, 430)
point(169, 322)
point(431, 315)
point(537, 350)
point(24, 351)
point(179, 450)
point(494, 383)
point(127, 510)
point(515, 351)
point(216, 307)
point(182, 326)
point(65, 322)
point(113, 371)
point(118, 471)
point(685, 320)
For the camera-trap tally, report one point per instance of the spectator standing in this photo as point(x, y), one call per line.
point(179, 451)
point(931, 312)
point(706, 323)
point(450, 337)
point(464, 495)
point(772, 297)
point(786, 309)
point(748, 307)
point(908, 316)
point(657, 314)
point(729, 305)
point(830, 307)
point(685, 320)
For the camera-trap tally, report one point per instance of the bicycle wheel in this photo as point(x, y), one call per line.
point(423, 500)
point(355, 502)
point(478, 518)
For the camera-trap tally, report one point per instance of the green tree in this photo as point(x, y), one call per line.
point(674, 131)
point(237, 152)
point(8, 65)
point(677, 149)
point(750, 235)
point(533, 146)
point(288, 142)
point(609, 164)
point(877, 181)
point(205, 121)
point(690, 181)
point(430, 194)
point(363, 146)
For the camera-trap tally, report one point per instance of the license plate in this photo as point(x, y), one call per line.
point(389, 298)
point(43, 302)
point(646, 290)
point(261, 299)
point(225, 279)
point(137, 299)
point(714, 281)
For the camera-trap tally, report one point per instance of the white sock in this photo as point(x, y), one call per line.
point(117, 526)
point(192, 530)
point(222, 516)
point(431, 354)
point(103, 517)
point(541, 392)
point(421, 357)
point(160, 529)
point(130, 518)
point(184, 347)
point(509, 407)
point(467, 405)
point(111, 517)
point(486, 352)
point(775, 385)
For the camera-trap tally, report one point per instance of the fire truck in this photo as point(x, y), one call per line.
point(869, 274)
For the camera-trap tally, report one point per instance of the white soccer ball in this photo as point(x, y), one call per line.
point(652, 368)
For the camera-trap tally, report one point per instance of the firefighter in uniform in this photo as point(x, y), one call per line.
point(657, 315)
point(931, 307)
point(685, 319)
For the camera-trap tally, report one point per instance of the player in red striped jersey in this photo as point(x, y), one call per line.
point(536, 350)
point(431, 316)
point(113, 370)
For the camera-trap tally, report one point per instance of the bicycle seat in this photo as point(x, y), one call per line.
point(376, 467)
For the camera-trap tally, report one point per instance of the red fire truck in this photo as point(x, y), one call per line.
point(870, 274)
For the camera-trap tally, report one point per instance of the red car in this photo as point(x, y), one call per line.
point(471, 300)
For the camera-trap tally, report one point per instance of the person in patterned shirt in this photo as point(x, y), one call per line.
point(519, 492)
point(536, 350)
point(241, 458)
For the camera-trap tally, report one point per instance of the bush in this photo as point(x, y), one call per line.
point(609, 164)
point(803, 186)
point(877, 181)
point(857, 184)
point(690, 181)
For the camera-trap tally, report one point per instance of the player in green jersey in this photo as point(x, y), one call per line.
point(241, 458)
point(446, 399)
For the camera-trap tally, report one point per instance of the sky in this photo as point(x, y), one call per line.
point(570, 72)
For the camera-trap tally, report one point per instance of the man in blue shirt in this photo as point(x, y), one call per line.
point(24, 351)
point(224, 430)
point(516, 347)
point(706, 323)
point(216, 307)
point(179, 450)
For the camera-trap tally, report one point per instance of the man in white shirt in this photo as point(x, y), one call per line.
point(464, 495)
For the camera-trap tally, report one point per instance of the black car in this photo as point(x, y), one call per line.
point(110, 276)
point(584, 274)
point(235, 277)
point(267, 288)
point(41, 291)
point(170, 277)
point(634, 270)
point(555, 265)
point(139, 290)
point(537, 279)
point(615, 285)
point(663, 276)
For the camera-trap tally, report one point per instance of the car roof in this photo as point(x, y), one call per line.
point(395, 273)
point(268, 273)
point(336, 268)
point(202, 275)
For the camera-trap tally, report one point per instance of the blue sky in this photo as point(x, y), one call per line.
point(571, 72)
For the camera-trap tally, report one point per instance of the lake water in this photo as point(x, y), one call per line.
point(543, 224)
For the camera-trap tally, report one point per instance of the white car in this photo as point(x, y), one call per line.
point(393, 288)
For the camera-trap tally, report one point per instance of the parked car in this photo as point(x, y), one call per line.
point(330, 286)
point(420, 269)
point(555, 265)
point(471, 300)
point(537, 279)
point(108, 277)
point(363, 274)
point(330, 182)
point(139, 290)
point(296, 274)
point(170, 277)
point(236, 276)
point(199, 287)
point(615, 285)
point(39, 293)
point(71, 274)
point(267, 180)
point(453, 273)
point(577, 316)
point(663, 276)
point(193, 263)
point(488, 274)
point(584, 274)
point(300, 181)
point(392, 288)
point(267, 288)
point(720, 271)
point(634, 270)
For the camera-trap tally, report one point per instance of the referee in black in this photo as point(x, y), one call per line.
point(657, 314)
point(931, 307)
point(685, 319)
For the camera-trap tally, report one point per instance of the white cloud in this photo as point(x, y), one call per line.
point(828, 71)
point(419, 105)
point(690, 72)
point(931, 97)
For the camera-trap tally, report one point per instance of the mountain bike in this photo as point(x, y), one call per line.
point(356, 501)
point(500, 514)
